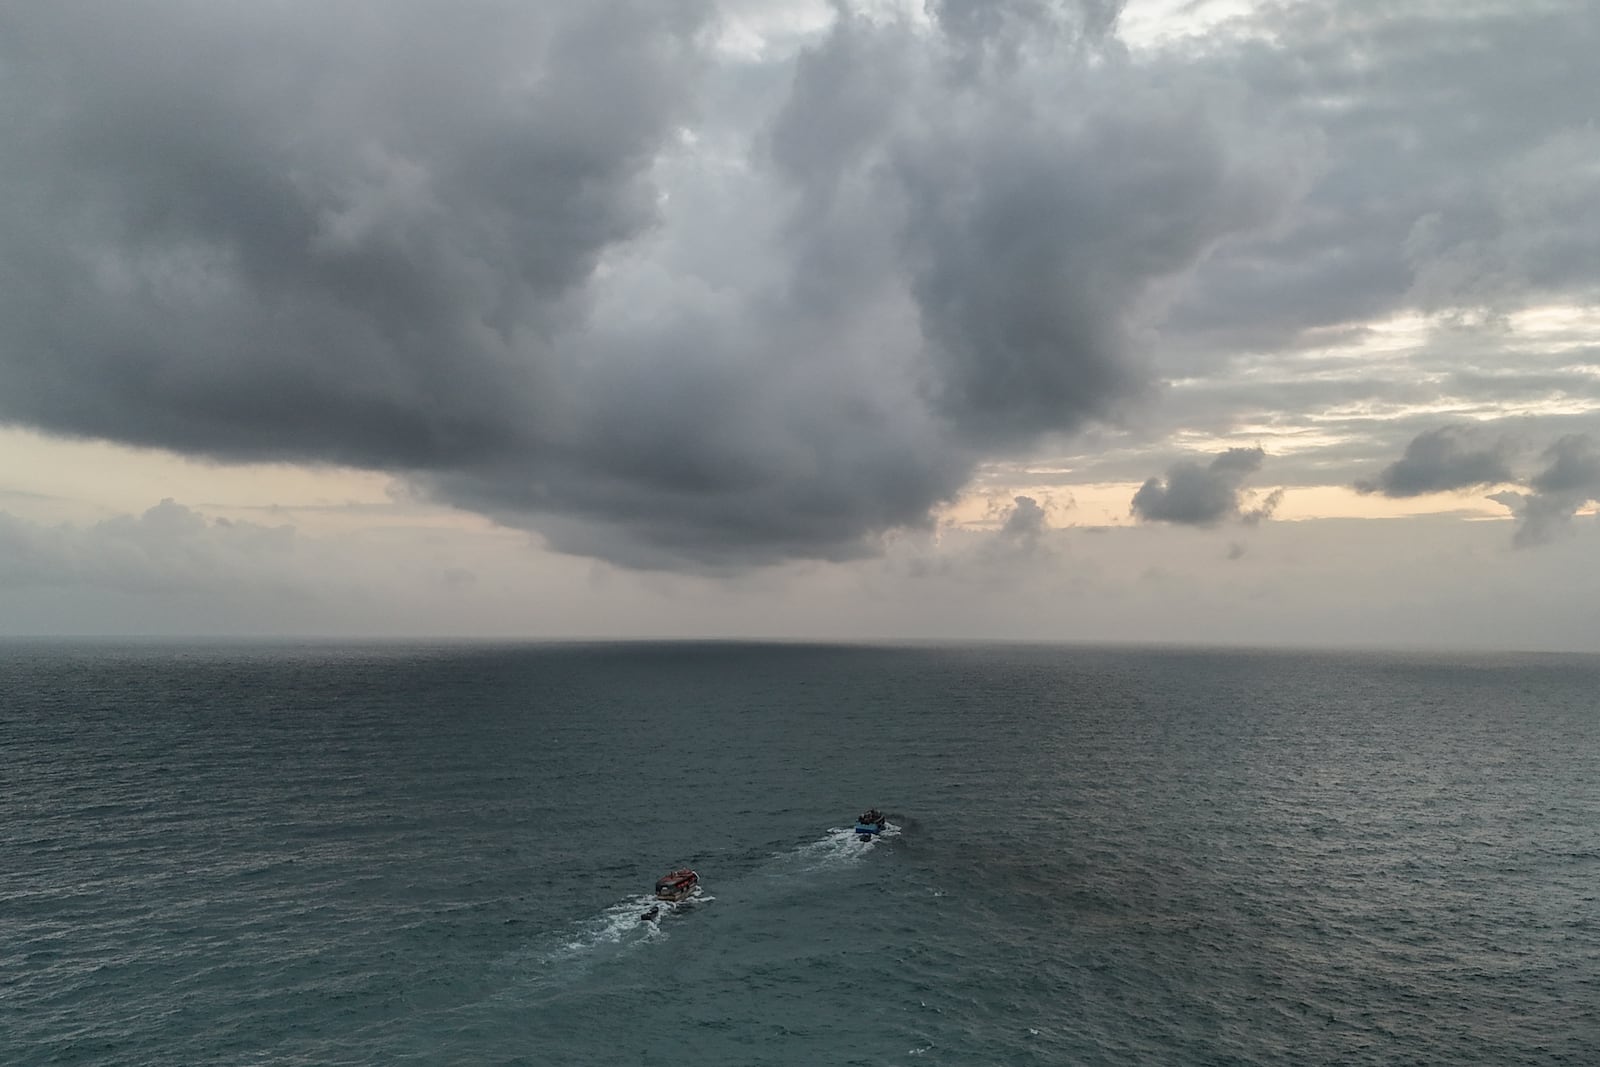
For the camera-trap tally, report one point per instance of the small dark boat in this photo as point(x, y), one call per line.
point(651, 915)
point(677, 885)
point(870, 822)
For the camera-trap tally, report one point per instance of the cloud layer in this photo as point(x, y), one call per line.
point(577, 267)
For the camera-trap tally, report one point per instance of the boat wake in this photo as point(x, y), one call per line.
point(622, 926)
point(643, 919)
point(840, 846)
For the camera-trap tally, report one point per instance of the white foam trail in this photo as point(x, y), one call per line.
point(621, 924)
point(841, 845)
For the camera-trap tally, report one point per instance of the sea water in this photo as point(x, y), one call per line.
point(340, 854)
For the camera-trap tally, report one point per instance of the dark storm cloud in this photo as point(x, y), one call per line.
point(319, 232)
point(471, 248)
point(1448, 459)
point(1192, 495)
point(564, 265)
point(1030, 229)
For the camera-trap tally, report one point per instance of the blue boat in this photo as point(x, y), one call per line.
point(870, 822)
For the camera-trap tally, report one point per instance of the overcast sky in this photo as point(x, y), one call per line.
point(1172, 320)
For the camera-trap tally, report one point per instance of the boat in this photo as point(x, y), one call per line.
point(651, 915)
point(677, 884)
point(870, 822)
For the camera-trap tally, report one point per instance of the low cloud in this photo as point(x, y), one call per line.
point(167, 549)
point(1026, 521)
point(1448, 459)
point(1195, 495)
point(1023, 537)
point(1572, 467)
point(1460, 458)
point(1261, 512)
point(1569, 479)
point(175, 569)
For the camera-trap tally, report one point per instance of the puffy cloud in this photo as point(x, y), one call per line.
point(1024, 537)
point(1572, 465)
point(1447, 459)
point(1569, 479)
point(1456, 458)
point(1192, 495)
point(1026, 521)
point(1262, 511)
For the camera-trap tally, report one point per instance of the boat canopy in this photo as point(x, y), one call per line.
point(675, 878)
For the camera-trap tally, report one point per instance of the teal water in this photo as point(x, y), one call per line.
point(428, 855)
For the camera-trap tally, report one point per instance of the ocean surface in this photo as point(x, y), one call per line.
point(341, 854)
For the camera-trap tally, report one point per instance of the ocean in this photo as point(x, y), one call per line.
point(438, 854)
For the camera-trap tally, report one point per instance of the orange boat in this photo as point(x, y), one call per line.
point(676, 885)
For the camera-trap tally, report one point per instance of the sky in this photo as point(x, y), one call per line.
point(1191, 321)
